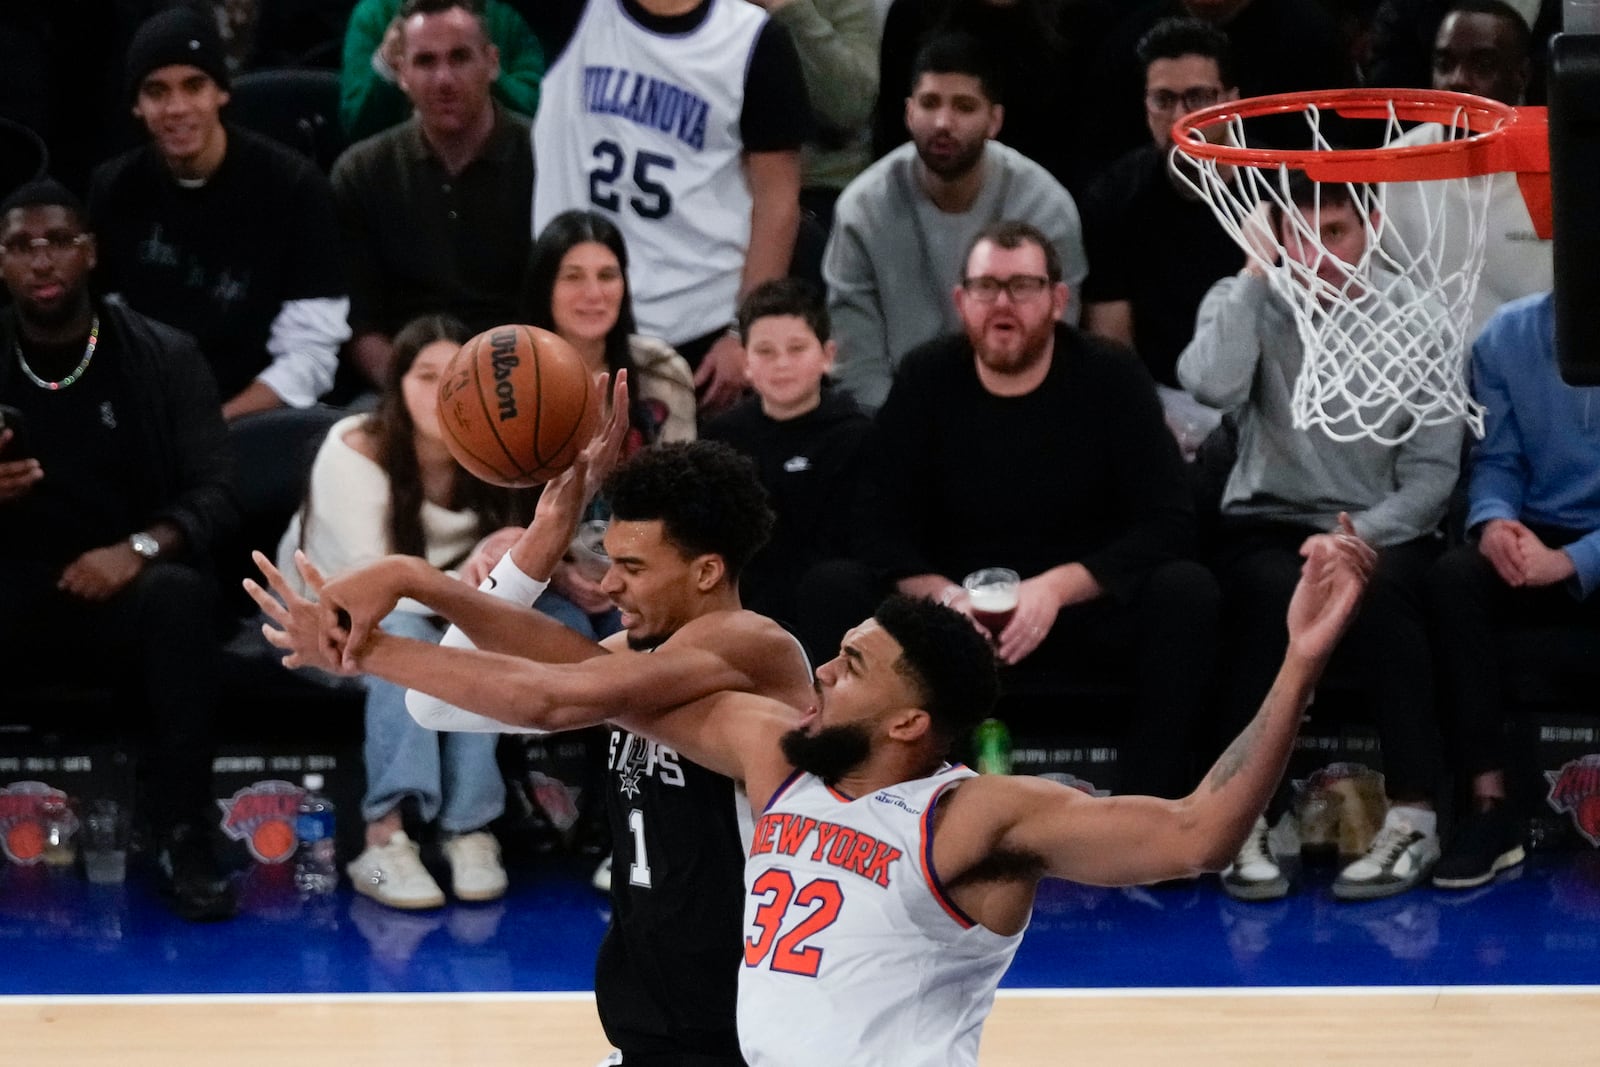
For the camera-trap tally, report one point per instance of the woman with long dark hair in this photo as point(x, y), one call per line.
point(386, 483)
point(577, 286)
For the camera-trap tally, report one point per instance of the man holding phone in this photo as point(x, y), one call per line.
point(107, 509)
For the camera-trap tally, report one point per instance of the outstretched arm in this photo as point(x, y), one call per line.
point(1130, 840)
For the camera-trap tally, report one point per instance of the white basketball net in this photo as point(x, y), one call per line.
point(1384, 346)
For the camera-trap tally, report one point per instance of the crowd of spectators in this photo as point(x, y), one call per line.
point(1009, 307)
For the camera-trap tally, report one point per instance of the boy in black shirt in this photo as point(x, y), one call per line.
point(805, 437)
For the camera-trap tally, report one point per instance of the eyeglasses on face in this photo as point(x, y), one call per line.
point(1165, 101)
point(57, 245)
point(986, 288)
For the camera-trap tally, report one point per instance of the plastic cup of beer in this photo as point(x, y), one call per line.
point(992, 592)
point(105, 843)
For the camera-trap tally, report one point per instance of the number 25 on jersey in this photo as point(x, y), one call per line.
point(655, 199)
point(816, 906)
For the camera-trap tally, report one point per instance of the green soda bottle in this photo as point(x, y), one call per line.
point(992, 743)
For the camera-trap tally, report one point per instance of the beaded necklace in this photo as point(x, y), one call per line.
point(88, 354)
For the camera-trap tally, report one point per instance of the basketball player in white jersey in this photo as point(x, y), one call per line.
point(682, 120)
point(686, 518)
point(888, 890)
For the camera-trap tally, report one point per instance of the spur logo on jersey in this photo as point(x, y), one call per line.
point(635, 759)
point(838, 846)
point(262, 816)
point(22, 819)
point(1575, 789)
point(647, 101)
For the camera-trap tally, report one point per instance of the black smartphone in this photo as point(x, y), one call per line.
point(17, 447)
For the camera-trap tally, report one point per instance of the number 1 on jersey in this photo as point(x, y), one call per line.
point(639, 869)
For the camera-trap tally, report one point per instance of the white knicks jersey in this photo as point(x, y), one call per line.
point(852, 952)
point(645, 128)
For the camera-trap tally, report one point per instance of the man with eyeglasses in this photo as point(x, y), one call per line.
point(901, 227)
point(1155, 247)
point(1022, 442)
point(1278, 46)
point(109, 505)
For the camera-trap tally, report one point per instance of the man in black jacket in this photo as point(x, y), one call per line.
point(1025, 444)
point(108, 507)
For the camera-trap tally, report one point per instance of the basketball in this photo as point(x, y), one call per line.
point(516, 406)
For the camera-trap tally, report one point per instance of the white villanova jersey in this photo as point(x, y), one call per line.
point(852, 953)
point(645, 127)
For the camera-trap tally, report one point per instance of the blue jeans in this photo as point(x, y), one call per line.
point(453, 778)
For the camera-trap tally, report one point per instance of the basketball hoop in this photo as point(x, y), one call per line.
point(1385, 338)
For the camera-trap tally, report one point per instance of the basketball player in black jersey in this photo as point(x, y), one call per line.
point(686, 519)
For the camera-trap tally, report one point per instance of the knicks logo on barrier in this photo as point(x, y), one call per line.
point(262, 815)
point(1575, 788)
point(22, 820)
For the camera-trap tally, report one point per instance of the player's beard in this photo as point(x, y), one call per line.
point(830, 753)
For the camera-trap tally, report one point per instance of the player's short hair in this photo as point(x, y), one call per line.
point(1520, 30)
point(705, 495)
point(957, 53)
point(786, 296)
point(948, 663)
point(1174, 38)
point(1013, 233)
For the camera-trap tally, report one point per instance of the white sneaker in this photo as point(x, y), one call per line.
point(1400, 857)
point(393, 874)
point(1254, 873)
point(475, 871)
point(602, 876)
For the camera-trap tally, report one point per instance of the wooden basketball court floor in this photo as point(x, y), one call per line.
point(1509, 1025)
point(1506, 975)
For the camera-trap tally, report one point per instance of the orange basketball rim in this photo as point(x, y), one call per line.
point(1491, 137)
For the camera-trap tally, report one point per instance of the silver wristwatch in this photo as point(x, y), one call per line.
point(145, 545)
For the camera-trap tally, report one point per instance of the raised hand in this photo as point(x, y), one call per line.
point(1332, 580)
point(299, 629)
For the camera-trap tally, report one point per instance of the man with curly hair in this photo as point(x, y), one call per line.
point(686, 519)
point(887, 889)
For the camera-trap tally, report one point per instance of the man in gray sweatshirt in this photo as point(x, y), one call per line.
point(1287, 484)
point(902, 228)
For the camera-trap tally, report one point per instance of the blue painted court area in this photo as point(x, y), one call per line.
point(1539, 925)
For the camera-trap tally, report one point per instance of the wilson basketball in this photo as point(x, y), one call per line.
point(516, 405)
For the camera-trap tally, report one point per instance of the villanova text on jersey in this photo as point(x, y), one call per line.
point(647, 101)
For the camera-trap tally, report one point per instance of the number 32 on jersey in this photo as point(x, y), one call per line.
point(814, 907)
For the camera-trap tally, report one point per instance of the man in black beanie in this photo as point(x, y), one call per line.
point(220, 231)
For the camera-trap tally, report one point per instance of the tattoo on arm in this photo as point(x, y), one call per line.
point(1238, 753)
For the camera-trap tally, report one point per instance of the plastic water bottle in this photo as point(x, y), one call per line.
point(314, 870)
point(992, 743)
